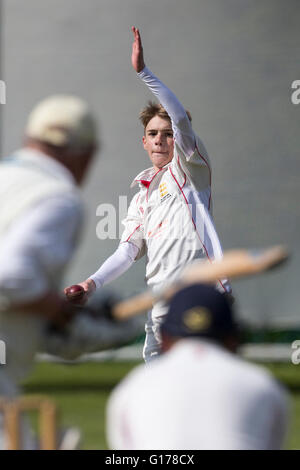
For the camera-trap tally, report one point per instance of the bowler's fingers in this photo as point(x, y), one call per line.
point(139, 39)
point(137, 36)
point(134, 31)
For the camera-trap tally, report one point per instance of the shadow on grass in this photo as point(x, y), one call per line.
point(96, 387)
point(68, 387)
point(295, 388)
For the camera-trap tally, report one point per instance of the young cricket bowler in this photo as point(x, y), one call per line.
point(170, 218)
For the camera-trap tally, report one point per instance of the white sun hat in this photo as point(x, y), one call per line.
point(62, 120)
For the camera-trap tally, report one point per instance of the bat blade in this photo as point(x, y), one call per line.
point(234, 264)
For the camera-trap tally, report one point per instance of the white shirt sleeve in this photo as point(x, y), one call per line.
point(119, 262)
point(36, 249)
point(182, 128)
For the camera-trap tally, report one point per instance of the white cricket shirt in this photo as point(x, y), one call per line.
point(197, 396)
point(40, 217)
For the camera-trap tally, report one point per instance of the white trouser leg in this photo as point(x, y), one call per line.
point(152, 346)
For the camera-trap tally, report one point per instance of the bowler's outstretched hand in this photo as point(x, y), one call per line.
point(137, 56)
point(80, 292)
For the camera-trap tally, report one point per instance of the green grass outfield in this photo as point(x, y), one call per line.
point(81, 392)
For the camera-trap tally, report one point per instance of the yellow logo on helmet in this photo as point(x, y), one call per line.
point(197, 319)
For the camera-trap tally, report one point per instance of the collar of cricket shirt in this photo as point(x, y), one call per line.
point(146, 176)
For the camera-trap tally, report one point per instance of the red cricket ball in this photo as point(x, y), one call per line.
point(75, 292)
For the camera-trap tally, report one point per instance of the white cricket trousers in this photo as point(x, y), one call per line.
point(152, 346)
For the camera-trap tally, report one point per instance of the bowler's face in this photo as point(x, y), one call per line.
point(158, 142)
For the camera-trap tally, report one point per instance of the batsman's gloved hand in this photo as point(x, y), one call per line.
point(101, 306)
point(62, 329)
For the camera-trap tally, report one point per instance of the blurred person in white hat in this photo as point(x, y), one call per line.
point(63, 128)
point(41, 214)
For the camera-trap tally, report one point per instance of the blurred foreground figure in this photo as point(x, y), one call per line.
point(40, 218)
point(205, 396)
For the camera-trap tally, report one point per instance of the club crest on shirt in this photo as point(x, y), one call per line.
point(163, 192)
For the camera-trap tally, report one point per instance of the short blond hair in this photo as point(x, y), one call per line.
point(155, 109)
